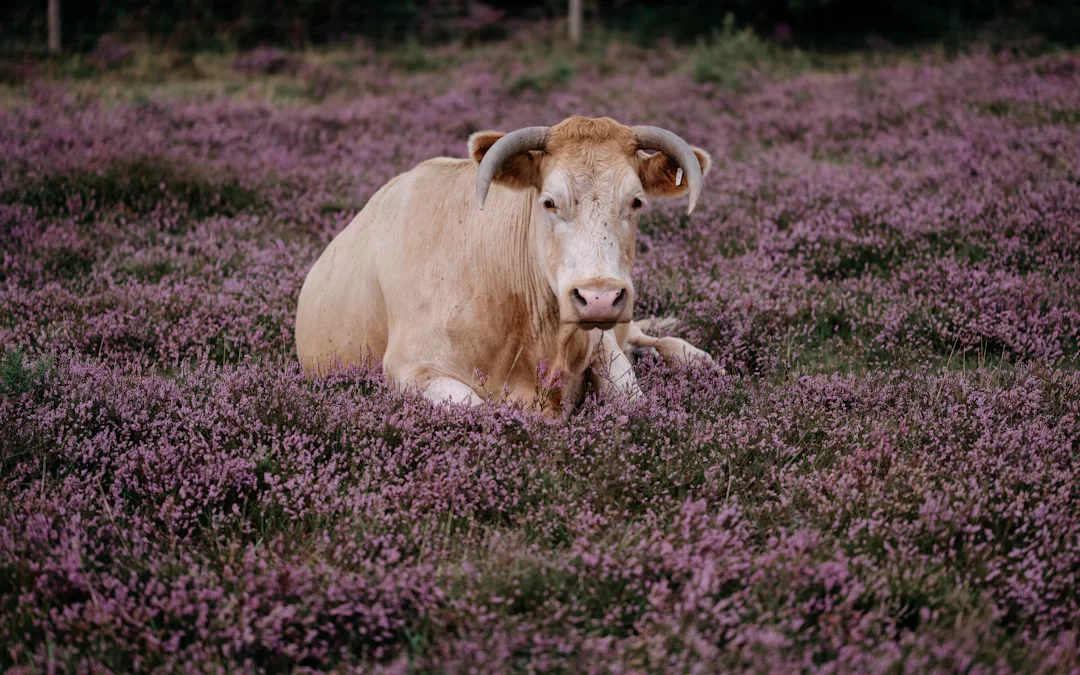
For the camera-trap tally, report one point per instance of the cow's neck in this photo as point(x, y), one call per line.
point(565, 348)
point(512, 252)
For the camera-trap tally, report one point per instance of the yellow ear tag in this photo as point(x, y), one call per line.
point(678, 177)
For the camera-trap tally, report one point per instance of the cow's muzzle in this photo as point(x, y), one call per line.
point(601, 303)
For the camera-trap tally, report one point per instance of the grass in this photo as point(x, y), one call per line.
point(18, 376)
point(726, 58)
point(135, 185)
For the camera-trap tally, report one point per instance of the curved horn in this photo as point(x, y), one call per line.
point(529, 138)
point(655, 138)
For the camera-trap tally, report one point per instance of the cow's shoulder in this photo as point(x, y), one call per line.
point(435, 175)
point(453, 166)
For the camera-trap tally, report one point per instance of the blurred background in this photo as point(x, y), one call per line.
point(36, 27)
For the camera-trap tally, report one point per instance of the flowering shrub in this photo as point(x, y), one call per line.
point(111, 53)
point(885, 262)
point(266, 61)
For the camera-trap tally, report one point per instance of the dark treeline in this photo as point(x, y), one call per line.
point(209, 24)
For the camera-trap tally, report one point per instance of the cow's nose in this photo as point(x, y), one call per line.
point(602, 305)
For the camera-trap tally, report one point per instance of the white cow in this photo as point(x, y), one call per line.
point(522, 289)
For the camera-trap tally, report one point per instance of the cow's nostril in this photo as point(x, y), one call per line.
point(578, 299)
point(619, 299)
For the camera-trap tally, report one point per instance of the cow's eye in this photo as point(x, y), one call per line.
point(636, 204)
point(549, 204)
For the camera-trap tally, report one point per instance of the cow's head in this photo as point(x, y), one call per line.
point(592, 179)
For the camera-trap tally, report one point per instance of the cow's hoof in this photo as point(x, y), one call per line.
point(695, 357)
point(692, 354)
point(640, 353)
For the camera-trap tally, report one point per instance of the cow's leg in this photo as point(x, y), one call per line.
point(433, 383)
point(611, 369)
point(671, 349)
point(449, 390)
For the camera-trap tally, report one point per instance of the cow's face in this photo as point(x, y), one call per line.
point(591, 184)
point(586, 215)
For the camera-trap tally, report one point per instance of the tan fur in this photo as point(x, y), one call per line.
point(436, 289)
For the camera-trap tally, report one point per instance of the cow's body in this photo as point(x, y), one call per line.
point(454, 299)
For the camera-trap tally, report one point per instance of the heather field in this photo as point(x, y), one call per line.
point(886, 261)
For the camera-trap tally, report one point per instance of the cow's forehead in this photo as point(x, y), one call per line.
point(587, 138)
point(599, 181)
point(590, 155)
point(601, 171)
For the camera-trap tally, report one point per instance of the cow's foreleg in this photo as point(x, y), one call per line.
point(611, 371)
point(449, 390)
point(671, 349)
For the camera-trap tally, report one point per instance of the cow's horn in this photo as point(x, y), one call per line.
point(522, 140)
point(655, 138)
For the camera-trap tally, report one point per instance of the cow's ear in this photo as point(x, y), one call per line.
point(659, 172)
point(520, 171)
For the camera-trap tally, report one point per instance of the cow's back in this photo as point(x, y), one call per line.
point(401, 269)
point(341, 312)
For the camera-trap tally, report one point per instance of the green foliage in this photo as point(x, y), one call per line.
point(147, 272)
point(848, 23)
point(413, 58)
point(729, 54)
point(137, 185)
point(217, 25)
point(212, 25)
point(1069, 117)
point(558, 74)
point(17, 376)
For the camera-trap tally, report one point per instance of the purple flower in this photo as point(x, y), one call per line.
point(885, 261)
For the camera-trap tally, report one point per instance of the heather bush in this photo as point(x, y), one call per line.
point(885, 479)
point(134, 185)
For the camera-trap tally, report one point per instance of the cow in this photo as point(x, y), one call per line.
point(506, 273)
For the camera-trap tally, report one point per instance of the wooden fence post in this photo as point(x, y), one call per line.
point(54, 26)
point(574, 22)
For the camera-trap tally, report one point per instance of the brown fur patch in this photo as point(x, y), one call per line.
point(658, 173)
point(582, 136)
point(520, 171)
point(424, 374)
